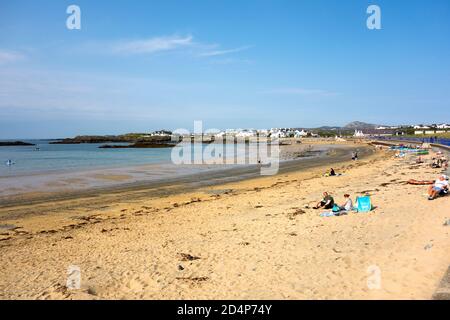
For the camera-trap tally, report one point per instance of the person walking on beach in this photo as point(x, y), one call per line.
point(326, 203)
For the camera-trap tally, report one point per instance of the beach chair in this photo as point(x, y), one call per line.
point(364, 204)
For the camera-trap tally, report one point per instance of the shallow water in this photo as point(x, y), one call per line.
point(73, 157)
point(58, 167)
point(29, 160)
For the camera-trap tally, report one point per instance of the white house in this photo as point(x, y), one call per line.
point(301, 134)
point(421, 127)
point(246, 133)
point(220, 134)
point(359, 134)
point(278, 134)
point(161, 133)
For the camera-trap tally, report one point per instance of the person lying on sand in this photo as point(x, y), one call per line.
point(440, 185)
point(326, 203)
point(348, 205)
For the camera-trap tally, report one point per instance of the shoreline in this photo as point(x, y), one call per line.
point(203, 177)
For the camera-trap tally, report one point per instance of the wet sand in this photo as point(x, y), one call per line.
point(162, 179)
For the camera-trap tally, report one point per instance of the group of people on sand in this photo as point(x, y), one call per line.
point(328, 203)
point(440, 162)
point(439, 187)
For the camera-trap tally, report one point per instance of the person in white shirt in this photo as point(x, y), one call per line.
point(441, 184)
point(348, 205)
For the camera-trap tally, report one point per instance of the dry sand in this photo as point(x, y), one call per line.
point(246, 240)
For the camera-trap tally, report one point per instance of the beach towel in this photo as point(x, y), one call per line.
point(327, 214)
point(364, 204)
point(420, 182)
point(333, 214)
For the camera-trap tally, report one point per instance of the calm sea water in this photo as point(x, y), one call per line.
point(78, 157)
point(60, 157)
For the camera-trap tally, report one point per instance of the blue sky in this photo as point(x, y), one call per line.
point(136, 66)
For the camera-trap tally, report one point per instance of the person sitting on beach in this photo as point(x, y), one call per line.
point(419, 160)
point(442, 162)
point(348, 205)
point(332, 172)
point(440, 185)
point(435, 164)
point(326, 203)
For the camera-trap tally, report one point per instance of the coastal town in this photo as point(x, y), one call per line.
point(355, 129)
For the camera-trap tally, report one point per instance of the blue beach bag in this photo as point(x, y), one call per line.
point(364, 204)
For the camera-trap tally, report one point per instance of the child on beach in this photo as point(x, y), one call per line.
point(348, 205)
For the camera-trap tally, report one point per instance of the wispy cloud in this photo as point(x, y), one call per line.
point(10, 56)
point(302, 92)
point(153, 45)
point(172, 43)
point(223, 52)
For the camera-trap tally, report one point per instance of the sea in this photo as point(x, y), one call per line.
point(46, 167)
point(47, 157)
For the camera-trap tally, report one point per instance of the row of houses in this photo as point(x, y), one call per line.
point(378, 132)
point(248, 133)
point(417, 127)
point(432, 127)
point(274, 133)
point(301, 133)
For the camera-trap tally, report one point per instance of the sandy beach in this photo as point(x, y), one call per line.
point(255, 238)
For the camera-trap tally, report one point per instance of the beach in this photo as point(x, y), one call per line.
point(247, 237)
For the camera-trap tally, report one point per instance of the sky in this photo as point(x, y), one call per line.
point(138, 66)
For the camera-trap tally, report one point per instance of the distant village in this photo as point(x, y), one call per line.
point(361, 130)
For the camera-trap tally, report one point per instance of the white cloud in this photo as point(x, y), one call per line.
point(223, 52)
point(9, 56)
point(154, 45)
point(168, 44)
